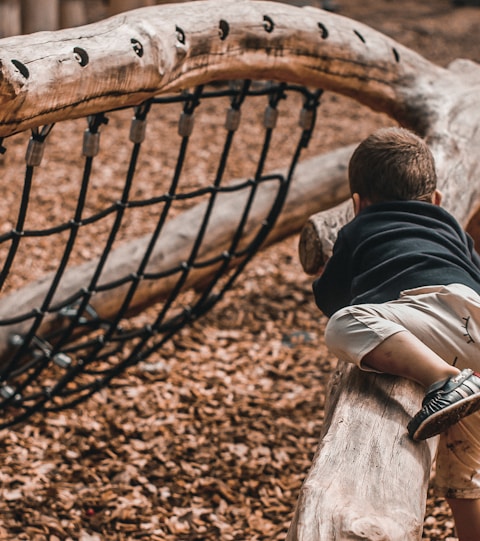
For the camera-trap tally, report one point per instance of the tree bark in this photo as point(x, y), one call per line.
point(72, 13)
point(38, 15)
point(318, 236)
point(10, 20)
point(368, 479)
point(186, 44)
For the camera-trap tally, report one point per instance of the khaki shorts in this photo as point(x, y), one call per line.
point(447, 320)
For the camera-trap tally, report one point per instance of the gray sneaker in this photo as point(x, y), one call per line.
point(445, 403)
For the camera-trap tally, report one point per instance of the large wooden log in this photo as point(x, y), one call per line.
point(367, 479)
point(318, 236)
point(180, 45)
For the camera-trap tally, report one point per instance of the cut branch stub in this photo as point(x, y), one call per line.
point(318, 236)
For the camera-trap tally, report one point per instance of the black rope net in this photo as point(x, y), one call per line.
point(83, 295)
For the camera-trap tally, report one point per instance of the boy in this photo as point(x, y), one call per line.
point(402, 291)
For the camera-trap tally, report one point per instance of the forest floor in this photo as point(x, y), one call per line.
point(212, 438)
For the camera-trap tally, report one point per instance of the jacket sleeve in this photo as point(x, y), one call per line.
point(332, 289)
point(473, 253)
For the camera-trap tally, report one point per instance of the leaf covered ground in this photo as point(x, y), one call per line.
point(211, 438)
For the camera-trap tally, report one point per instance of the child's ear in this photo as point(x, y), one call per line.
point(356, 203)
point(437, 198)
point(359, 203)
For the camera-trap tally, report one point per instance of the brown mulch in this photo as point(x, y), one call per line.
point(211, 438)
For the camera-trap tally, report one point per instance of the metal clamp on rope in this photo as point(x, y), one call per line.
point(34, 152)
point(232, 122)
point(41, 349)
point(270, 117)
point(185, 124)
point(36, 145)
point(7, 392)
point(307, 117)
point(91, 143)
point(71, 312)
point(138, 130)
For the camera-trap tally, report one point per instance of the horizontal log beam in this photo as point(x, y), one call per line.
point(318, 236)
point(127, 58)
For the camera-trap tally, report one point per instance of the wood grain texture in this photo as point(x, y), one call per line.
point(194, 42)
point(368, 478)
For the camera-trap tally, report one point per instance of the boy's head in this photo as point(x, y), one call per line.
point(392, 164)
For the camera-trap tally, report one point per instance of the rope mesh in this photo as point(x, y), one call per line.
point(68, 332)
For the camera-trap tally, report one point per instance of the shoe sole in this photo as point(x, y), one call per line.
point(440, 421)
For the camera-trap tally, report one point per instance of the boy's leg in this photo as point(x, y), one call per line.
point(402, 354)
point(457, 475)
point(453, 334)
point(383, 338)
point(445, 319)
point(466, 514)
point(451, 394)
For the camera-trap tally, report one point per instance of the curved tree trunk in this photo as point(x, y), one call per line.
point(195, 42)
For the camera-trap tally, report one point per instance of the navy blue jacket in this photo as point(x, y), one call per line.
point(393, 246)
